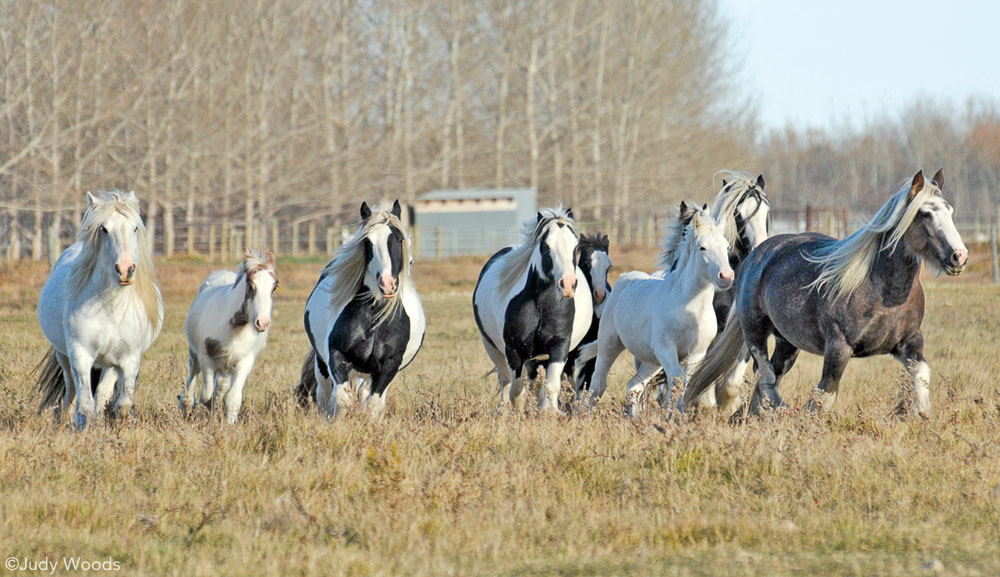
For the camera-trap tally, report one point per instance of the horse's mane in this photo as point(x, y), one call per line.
point(347, 267)
point(846, 262)
point(144, 288)
point(253, 261)
point(677, 235)
point(597, 242)
point(738, 183)
point(516, 262)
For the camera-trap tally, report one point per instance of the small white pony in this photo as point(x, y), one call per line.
point(101, 309)
point(667, 321)
point(227, 330)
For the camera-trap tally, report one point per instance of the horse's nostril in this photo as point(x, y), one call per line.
point(131, 270)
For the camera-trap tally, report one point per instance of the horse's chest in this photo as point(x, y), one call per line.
point(364, 345)
point(882, 330)
point(536, 317)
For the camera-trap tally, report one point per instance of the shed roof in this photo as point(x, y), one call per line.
point(477, 193)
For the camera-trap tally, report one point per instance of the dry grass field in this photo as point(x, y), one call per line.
point(442, 486)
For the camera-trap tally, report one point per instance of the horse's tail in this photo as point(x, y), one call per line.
point(51, 384)
point(722, 356)
point(586, 352)
point(305, 391)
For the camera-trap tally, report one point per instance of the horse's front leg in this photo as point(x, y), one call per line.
point(374, 402)
point(209, 379)
point(666, 355)
point(341, 395)
point(912, 357)
point(234, 396)
point(637, 386)
point(81, 361)
point(129, 374)
point(836, 354)
point(106, 387)
point(515, 368)
point(548, 394)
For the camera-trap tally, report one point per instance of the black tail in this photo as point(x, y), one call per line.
point(723, 354)
point(50, 385)
point(305, 391)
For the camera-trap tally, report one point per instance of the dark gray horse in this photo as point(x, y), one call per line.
point(856, 297)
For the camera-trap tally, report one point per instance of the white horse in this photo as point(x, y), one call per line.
point(100, 309)
point(741, 208)
point(363, 316)
point(227, 330)
point(666, 322)
point(528, 305)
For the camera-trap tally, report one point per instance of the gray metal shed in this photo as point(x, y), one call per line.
point(470, 221)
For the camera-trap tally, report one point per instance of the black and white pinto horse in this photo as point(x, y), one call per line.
point(856, 297)
point(533, 302)
point(594, 261)
point(363, 316)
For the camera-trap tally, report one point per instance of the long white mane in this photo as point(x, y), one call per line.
point(346, 269)
point(144, 288)
point(516, 262)
point(726, 202)
point(847, 262)
point(676, 242)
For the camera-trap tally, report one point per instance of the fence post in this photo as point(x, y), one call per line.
point(993, 250)
point(275, 239)
point(234, 243)
point(211, 243)
point(54, 248)
point(312, 238)
point(295, 238)
point(438, 241)
point(331, 240)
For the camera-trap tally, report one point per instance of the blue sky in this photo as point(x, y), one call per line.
point(821, 64)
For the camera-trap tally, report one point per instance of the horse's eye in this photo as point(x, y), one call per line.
point(136, 229)
point(103, 229)
point(702, 249)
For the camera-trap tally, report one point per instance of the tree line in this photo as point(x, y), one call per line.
point(285, 113)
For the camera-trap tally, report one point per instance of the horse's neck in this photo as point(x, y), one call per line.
point(894, 273)
point(235, 294)
point(690, 283)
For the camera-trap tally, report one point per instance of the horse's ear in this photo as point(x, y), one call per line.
point(938, 178)
point(91, 199)
point(131, 196)
point(724, 184)
point(365, 211)
point(269, 258)
point(539, 219)
point(916, 186)
point(760, 181)
point(569, 212)
point(705, 207)
point(247, 253)
point(397, 210)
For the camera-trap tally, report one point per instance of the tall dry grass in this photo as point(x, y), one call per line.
point(444, 487)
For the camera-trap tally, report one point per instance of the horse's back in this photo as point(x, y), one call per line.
point(487, 300)
point(217, 278)
point(51, 303)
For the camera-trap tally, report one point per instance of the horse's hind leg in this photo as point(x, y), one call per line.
point(727, 393)
point(186, 399)
point(765, 395)
point(836, 354)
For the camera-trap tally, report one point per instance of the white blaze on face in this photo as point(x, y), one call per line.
point(380, 267)
point(600, 264)
point(941, 214)
point(755, 226)
point(263, 300)
point(562, 243)
point(121, 239)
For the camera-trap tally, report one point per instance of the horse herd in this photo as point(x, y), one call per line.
point(723, 289)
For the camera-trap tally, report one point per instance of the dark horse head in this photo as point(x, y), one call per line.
point(595, 263)
point(932, 235)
